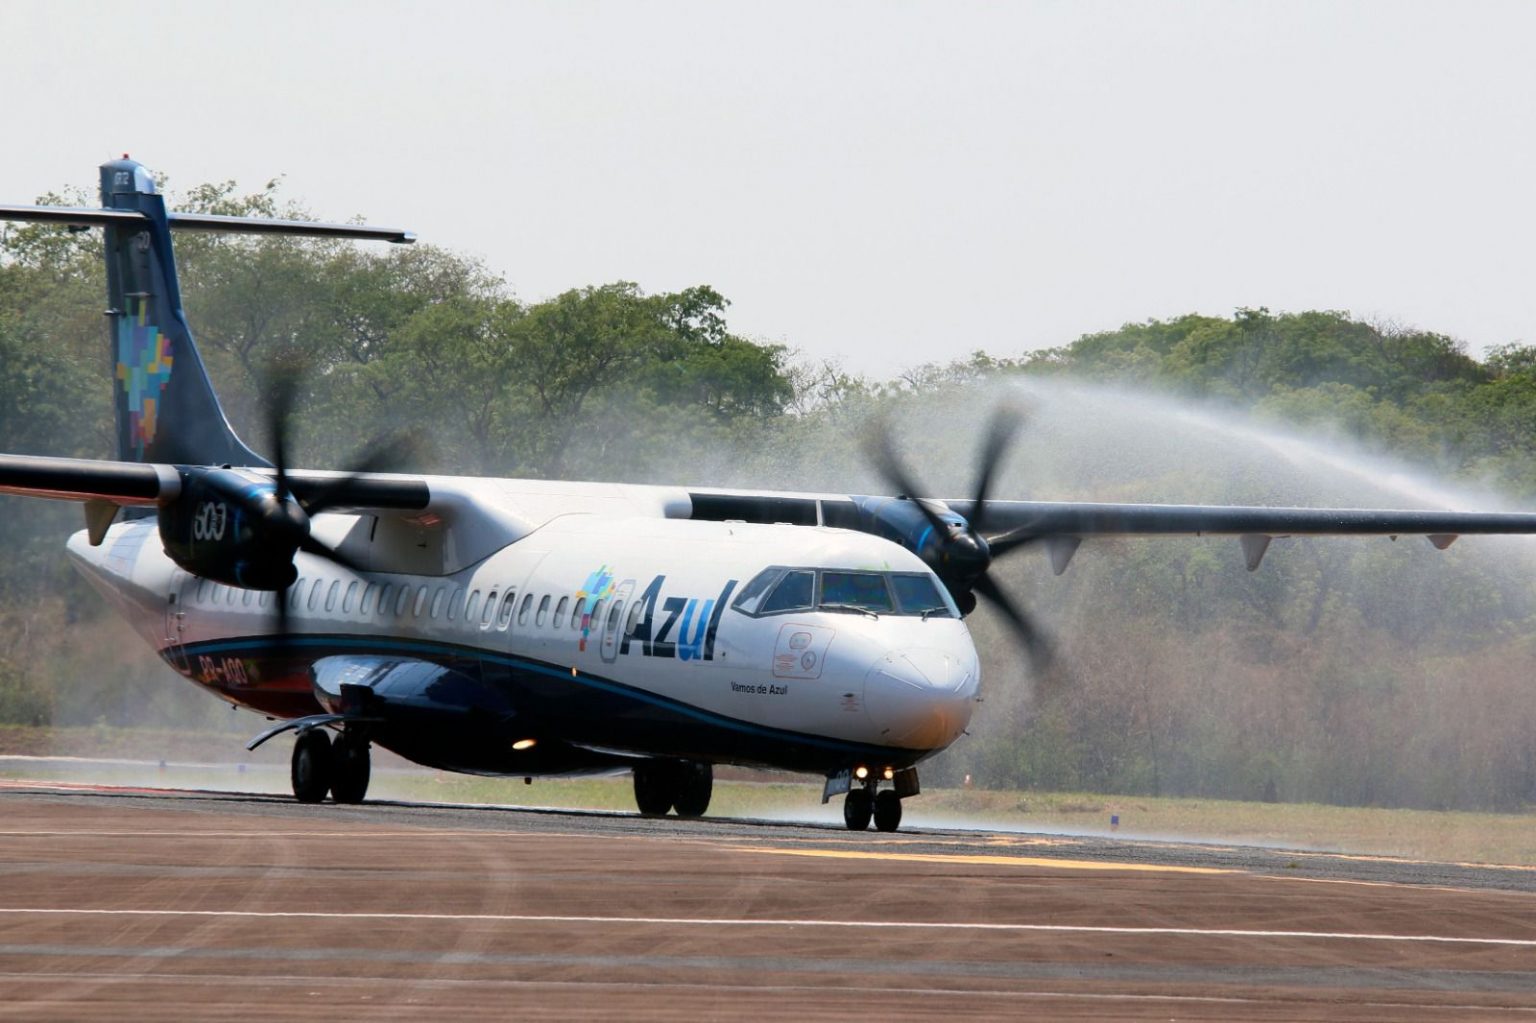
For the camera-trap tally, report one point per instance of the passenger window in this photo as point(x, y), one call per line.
point(403, 601)
point(314, 595)
point(384, 594)
point(522, 614)
point(421, 602)
point(559, 619)
point(264, 599)
point(858, 590)
point(245, 597)
point(330, 594)
point(490, 610)
point(231, 598)
point(366, 604)
point(202, 590)
point(472, 607)
point(794, 592)
point(437, 602)
point(543, 610)
point(595, 624)
point(348, 597)
point(456, 603)
point(295, 594)
point(634, 617)
point(508, 602)
point(576, 612)
point(615, 614)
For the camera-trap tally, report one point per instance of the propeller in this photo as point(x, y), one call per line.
point(285, 516)
point(960, 552)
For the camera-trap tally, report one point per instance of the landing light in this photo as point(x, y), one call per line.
point(523, 744)
point(890, 772)
point(861, 773)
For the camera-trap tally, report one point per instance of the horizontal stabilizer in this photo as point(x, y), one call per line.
point(78, 216)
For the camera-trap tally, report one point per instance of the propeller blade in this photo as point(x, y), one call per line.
point(1000, 433)
point(1033, 639)
point(310, 545)
point(284, 387)
point(382, 455)
point(880, 449)
point(1013, 540)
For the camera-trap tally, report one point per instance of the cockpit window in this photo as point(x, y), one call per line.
point(780, 590)
point(752, 594)
point(920, 595)
point(794, 592)
point(864, 591)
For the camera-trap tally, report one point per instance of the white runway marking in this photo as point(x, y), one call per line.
point(1200, 932)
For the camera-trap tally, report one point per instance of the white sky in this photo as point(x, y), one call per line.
point(880, 183)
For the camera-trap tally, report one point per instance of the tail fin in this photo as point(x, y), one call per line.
point(166, 407)
point(167, 410)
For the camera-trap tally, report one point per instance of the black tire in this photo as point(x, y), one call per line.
point(311, 770)
point(696, 783)
point(654, 787)
point(351, 768)
point(887, 811)
point(857, 809)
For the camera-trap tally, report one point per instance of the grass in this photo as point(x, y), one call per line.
point(216, 760)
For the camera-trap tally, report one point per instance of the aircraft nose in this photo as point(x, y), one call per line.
point(921, 697)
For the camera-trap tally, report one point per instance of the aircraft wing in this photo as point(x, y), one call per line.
point(1084, 519)
point(145, 483)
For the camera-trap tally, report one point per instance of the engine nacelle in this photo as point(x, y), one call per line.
point(232, 527)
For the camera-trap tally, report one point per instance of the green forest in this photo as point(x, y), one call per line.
point(1343, 671)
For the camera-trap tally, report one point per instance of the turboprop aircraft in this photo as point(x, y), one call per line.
point(532, 627)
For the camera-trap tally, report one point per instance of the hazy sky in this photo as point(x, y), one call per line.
point(879, 183)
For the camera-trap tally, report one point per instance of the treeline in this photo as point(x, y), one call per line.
point(1344, 671)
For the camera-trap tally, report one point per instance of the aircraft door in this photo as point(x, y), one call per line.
point(176, 621)
point(615, 614)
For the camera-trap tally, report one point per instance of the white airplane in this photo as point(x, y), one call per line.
point(527, 627)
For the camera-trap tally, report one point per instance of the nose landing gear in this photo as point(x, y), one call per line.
point(865, 802)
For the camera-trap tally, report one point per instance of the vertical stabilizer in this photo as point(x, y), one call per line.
point(166, 407)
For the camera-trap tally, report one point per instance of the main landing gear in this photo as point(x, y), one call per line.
point(683, 785)
point(320, 766)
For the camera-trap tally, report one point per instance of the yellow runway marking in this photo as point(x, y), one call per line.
point(984, 860)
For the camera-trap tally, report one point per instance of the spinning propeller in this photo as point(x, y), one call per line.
point(244, 528)
point(960, 552)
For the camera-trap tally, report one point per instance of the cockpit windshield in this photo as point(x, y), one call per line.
point(782, 589)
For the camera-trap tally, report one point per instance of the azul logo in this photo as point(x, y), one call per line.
point(680, 627)
point(143, 370)
point(597, 588)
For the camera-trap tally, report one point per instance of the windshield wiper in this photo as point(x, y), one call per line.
point(940, 609)
point(848, 609)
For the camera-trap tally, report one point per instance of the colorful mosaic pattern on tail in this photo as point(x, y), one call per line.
point(143, 371)
point(598, 587)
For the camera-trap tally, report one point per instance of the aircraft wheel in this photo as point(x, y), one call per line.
point(311, 772)
point(887, 811)
point(653, 789)
point(351, 768)
point(696, 783)
point(857, 809)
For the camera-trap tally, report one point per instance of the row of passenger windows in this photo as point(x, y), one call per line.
point(782, 589)
point(493, 609)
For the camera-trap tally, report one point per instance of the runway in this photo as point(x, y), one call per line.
point(132, 904)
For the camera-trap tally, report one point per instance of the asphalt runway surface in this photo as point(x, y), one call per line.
point(133, 904)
